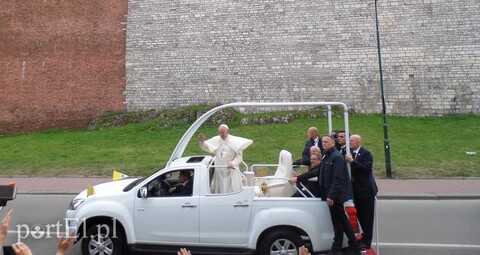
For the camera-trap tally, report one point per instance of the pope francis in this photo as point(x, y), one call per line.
point(228, 150)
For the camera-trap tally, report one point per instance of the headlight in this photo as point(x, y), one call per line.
point(75, 203)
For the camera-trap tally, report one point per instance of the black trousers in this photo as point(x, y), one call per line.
point(312, 186)
point(341, 225)
point(365, 213)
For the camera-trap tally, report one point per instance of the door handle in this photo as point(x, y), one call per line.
point(188, 206)
point(240, 204)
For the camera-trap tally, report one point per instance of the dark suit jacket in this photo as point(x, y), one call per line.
point(184, 190)
point(362, 174)
point(333, 177)
point(312, 172)
point(312, 186)
point(306, 151)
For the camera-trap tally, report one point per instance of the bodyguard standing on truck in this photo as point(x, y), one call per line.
point(335, 187)
point(364, 187)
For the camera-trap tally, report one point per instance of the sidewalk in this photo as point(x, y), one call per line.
point(453, 188)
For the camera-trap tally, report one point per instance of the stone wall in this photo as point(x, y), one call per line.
point(197, 51)
point(61, 62)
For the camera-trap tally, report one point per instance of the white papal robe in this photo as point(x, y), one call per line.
point(229, 150)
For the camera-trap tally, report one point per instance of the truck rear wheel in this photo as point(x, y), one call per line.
point(103, 239)
point(281, 242)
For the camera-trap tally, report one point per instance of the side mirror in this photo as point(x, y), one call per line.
point(167, 176)
point(7, 192)
point(143, 192)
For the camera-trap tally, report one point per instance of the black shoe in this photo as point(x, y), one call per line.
point(352, 251)
point(334, 252)
point(364, 245)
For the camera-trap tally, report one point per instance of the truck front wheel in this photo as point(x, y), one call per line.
point(103, 239)
point(281, 242)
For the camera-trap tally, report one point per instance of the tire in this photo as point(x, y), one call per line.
point(101, 240)
point(281, 242)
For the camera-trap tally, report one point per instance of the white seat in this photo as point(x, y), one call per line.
point(277, 185)
point(285, 165)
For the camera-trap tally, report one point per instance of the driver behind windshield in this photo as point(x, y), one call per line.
point(184, 186)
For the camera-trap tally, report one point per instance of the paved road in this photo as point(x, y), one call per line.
point(454, 188)
point(423, 227)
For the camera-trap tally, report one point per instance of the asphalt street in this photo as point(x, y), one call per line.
point(416, 216)
point(410, 227)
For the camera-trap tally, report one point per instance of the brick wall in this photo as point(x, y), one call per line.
point(191, 52)
point(61, 62)
point(65, 62)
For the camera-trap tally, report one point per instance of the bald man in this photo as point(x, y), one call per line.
point(313, 140)
point(364, 187)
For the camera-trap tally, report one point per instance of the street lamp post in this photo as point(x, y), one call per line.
point(386, 141)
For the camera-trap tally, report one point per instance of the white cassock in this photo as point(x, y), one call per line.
point(229, 150)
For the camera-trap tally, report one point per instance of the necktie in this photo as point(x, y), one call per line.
point(351, 175)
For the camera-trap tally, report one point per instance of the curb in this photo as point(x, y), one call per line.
point(379, 197)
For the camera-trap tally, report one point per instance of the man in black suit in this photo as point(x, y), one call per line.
point(312, 186)
point(184, 186)
point(364, 187)
point(313, 140)
point(342, 142)
point(335, 188)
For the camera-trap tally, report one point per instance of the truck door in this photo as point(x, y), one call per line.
point(166, 217)
point(225, 218)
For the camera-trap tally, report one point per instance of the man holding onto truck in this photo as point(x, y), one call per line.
point(312, 186)
point(335, 188)
point(364, 188)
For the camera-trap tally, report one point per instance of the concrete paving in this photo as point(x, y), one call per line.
point(452, 188)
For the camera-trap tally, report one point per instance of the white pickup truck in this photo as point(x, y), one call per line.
point(137, 214)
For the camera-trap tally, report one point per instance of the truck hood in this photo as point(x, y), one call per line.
point(109, 188)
